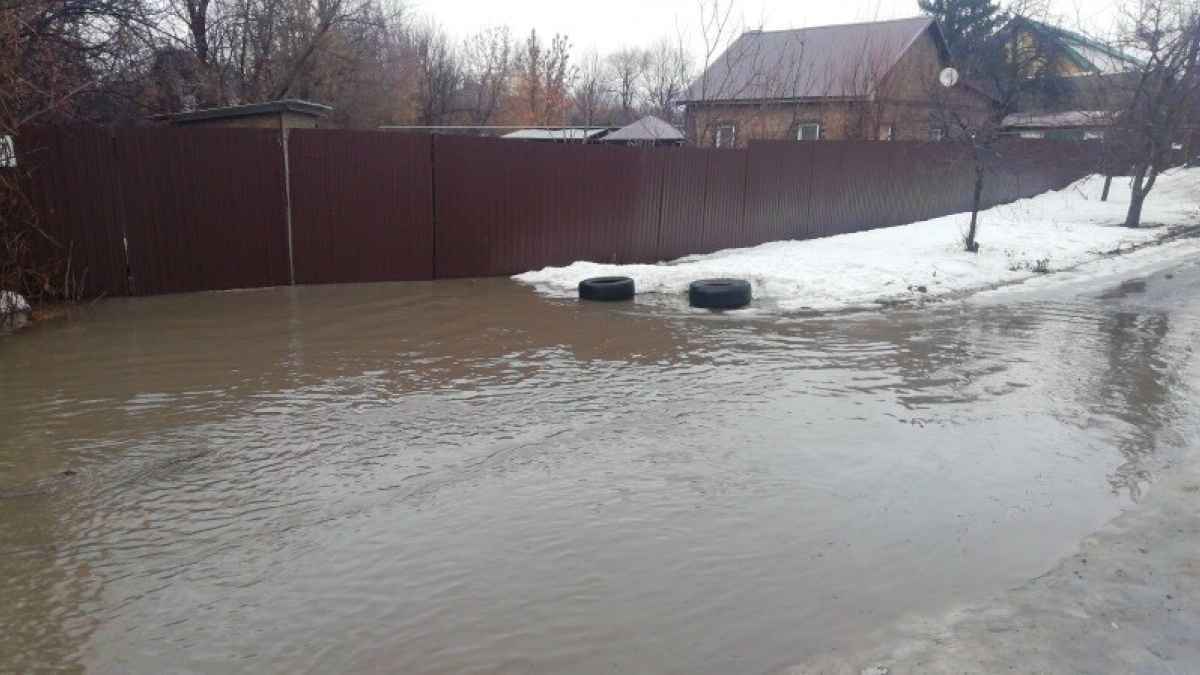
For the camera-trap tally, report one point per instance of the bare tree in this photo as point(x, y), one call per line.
point(440, 75)
point(668, 72)
point(1015, 71)
point(375, 78)
point(58, 61)
point(1167, 32)
point(719, 31)
point(627, 70)
point(312, 25)
point(543, 77)
point(56, 55)
point(247, 51)
point(592, 91)
point(488, 61)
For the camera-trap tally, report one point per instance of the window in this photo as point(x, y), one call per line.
point(885, 132)
point(935, 133)
point(726, 135)
point(8, 155)
point(1032, 134)
point(808, 131)
point(1093, 135)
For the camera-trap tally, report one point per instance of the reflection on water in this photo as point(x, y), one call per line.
point(464, 477)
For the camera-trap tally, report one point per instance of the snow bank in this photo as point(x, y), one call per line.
point(1051, 232)
point(11, 303)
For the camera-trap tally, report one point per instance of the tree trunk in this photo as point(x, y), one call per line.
point(972, 246)
point(1134, 216)
point(1107, 184)
point(198, 23)
point(1137, 197)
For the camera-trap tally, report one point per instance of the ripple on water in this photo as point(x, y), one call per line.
point(456, 478)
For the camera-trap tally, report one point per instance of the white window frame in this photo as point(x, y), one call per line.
point(815, 127)
point(719, 135)
point(936, 134)
point(1033, 134)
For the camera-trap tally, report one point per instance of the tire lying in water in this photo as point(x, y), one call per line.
point(719, 293)
point(606, 289)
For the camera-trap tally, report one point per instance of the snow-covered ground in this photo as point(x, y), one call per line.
point(11, 303)
point(1069, 229)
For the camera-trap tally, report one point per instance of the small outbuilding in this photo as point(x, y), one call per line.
point(648, 131)
point(282, 115)
point(560, 134)
point(1075, 125)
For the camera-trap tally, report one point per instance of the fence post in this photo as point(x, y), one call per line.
point(744, 235)
point(650, 154)
point(433, 199)
point(287, 198)
point(122, 212)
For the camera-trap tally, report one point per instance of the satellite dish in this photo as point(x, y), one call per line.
point(948, 77)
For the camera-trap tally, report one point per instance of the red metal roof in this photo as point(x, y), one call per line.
point(822, 62)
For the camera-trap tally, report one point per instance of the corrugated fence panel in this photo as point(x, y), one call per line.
point(1064, 164)
point(725, 200)
point(685, 174)
point(205, 208)
point(507, 206)
point(72, 187)
point(779, 190)
point(948, 167)
point(925, 180)
point(1005, 177)
point(1021, 168)
point(848, 179)
point(903, 173)
point(362, 206)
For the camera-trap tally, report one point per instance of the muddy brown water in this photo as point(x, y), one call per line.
point(462, 477)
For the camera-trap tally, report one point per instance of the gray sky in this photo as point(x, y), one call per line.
point(609, 24)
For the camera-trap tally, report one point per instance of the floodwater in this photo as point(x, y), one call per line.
point(461, 477)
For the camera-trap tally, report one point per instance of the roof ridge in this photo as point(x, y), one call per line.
point(736, 78)
point(1083, 39)
point(834, 25)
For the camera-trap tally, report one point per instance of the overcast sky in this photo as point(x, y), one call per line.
point(606, 25)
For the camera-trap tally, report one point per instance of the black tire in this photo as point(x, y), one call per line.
point(719, 293)
point(606, 289)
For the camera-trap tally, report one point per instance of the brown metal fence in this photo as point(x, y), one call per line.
point(362, 206)
point(204, 209)
point(724, 195)
point(504, 206)
point(72, 183)
point(1024, 167)
point(162, 210)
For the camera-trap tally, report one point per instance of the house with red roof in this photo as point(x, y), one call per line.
point(881, 80)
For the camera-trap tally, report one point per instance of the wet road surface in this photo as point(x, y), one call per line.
point(462, 477)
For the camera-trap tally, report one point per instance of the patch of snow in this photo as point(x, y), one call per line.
point(11, 303)
point(1055, 231)
point(1098, 274)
